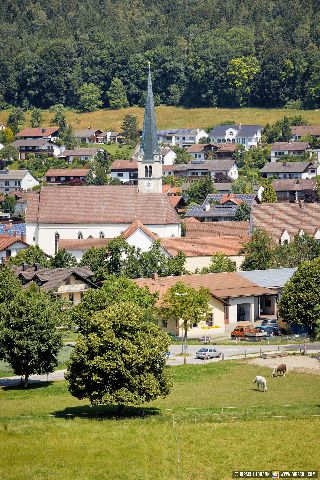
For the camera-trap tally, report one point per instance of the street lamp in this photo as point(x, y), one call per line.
point(183, 347)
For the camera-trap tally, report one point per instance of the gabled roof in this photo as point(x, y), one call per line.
point(227, 209)
point(87, 132)
point(13, 174)
point(289, 146)
point(179, 131)
point(124, 165)
point(220, 285)
point(242, 130)
point(204, 246)
point(82, 243)
point(294, 185)
point(38, 132)
point(216, 229)
point(286, 167)
point(67, 172)
point(52, 278)
point(221, 165)
point(137, 225)
point(99, 205)
point(78, 152)
point(7, 241)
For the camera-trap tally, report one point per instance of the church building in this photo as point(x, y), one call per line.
point(58, 213)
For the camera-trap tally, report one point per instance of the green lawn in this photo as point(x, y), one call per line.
point(47, 434)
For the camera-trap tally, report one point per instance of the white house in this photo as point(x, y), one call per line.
point(13, 180)
point(247, 135)
point(283, 170)
point(37, 133)
point(126, 171)
point(10, 246)
point(167, 156)
point(106, 211)
point(196, 169)
point(83, 154)
point(37, 147)
point(182, 137)
point(292, 149)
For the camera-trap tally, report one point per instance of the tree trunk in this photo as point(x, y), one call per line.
point(25, 381)
point(121, 410)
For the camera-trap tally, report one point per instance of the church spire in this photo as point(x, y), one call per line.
point(149, 144)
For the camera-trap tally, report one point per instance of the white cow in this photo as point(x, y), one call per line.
point(261, 381)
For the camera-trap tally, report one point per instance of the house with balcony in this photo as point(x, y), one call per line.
point(30, 133)
point(126, 171)
point(300, 131)
point(66, 176)
point(284, 170)
point(15, 180)
point(247, 135)
point(82, 154)
point(181, 137)
point(201, 152)
point(195, 170)
point(36, 147)
point(291, 149)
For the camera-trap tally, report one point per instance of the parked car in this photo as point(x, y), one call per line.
point(268, 329)
point(241, 330)
point(207, 353)
point(270, 322)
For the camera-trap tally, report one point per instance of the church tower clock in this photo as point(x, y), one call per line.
point(149, 160)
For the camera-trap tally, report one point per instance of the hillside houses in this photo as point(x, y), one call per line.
point(291, 149)
point(247, 135)
point(181, 137)
point(218, 208)
point(36, 147)
point(201, 152)
point(15, 180)
point(284, 170)
point(216, 169)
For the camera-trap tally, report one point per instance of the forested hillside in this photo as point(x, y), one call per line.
point(204, 53)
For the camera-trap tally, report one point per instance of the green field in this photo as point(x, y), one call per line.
point(47, 434)
point(177, 117)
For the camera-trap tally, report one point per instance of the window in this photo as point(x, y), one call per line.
point(164, 323)
point(119, 174)
point(209, 322)
point(56, 242)
point(80, 236)
point(71, 297)
point(101, 235)
point(6, 183)
point(150, 171)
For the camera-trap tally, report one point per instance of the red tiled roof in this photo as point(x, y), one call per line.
point(174, 200)
point(211, 229)
point(221, 285)
point(306, 130)
point(124, 165)
point(229, 197)
point(7, 241)
point(171, 190)
point(82, 243)
point(204, 246)
point(293, 217)
point(67, 172)
point(168, 168)
point(196, 147)
point(191, 220)
point(294, 185)
point(226, 147)
point(99, 204)
point(289, 146)
point(37, 132)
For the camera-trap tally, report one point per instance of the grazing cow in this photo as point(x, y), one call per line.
point(261, 381)
point(280, 370)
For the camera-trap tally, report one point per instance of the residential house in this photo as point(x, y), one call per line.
point(66, 175)
point(284, 170)
point(193, 171)
point(201, 152)
point(233, 299)
point(95, 211)
point(196, 229)
point(83, 154)
point(67, 284)
point(181, 137)
point(87, 135)
point(292, 149)
point(10, 246)
point(292, 190)
point(199, 251)
point(247, 135)
point(21, 198)
point(283, 221)
point(126, 171)
point(36, 147)
point(300, 131)
point(168, 156)
point(218, 208)
point(37, 133)
point(15, 180)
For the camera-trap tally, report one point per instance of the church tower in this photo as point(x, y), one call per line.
point(149, 161)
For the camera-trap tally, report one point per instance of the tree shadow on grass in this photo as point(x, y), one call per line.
point(10, 385)
point(104, 412)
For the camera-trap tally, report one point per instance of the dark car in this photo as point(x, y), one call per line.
point(268, 329)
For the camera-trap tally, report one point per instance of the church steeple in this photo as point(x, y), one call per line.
point(149, 142)
point(149, 161)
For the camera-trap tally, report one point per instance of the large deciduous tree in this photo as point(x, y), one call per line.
point(29, 340)
point(16, 119)
point(198, 191)
point(63, 259)
point(301, 297)
point(89, 97)
point(269, 194)
point(185, 305)
point(220, 263)
point(130, 128)
point(36, 117)
point(117, 94)
point(241, 72)
point(119, 358)
point(30, 256)
point(258, 251)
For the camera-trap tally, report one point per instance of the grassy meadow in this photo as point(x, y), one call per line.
point(177, 117)
point(47, 434)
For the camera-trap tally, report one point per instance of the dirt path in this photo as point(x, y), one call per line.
point(295, 363)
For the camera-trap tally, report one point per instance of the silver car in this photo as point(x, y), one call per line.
point(207, 352)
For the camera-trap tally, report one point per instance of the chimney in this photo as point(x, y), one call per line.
point(154, 276)
point(25, 267)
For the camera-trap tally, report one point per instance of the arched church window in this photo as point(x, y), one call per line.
point(101, 235)
point(56, 242)
point(80, 236)
point(146, 172)
point(150, 171)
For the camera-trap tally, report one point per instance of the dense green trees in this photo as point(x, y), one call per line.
point(89, 97)
point(117, 94)
point(198, 190)
point(219, 263)
point(205, 53)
